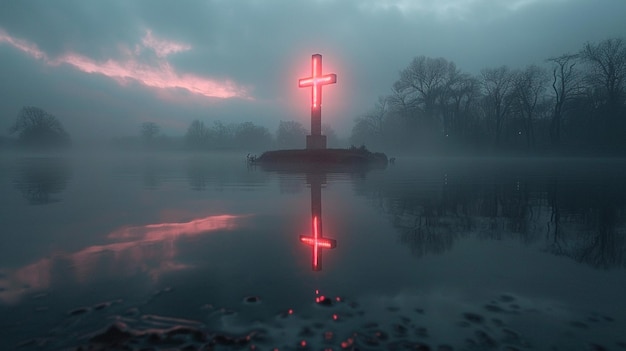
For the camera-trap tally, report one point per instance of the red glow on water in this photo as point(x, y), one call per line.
point(335, 316)
point(347, 343)
point(317, 242)
point(317, 80)
point(151, 249)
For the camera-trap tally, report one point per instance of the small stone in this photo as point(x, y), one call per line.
point(473, 317)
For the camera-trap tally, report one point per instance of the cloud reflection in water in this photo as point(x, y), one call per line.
point(149, 249)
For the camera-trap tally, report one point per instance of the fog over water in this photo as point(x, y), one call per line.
point(471, 195)
point(467, 253)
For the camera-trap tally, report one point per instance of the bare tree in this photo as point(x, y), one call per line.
point(37, 128)
point(498, 84)
point(197, 135)
point(149, 130)
point(462, 96)
point(426, 82)
point(290, 134)
point(565, 84)
point(607, 61)
point(370, 126)
point(528, 88)
point(249, 135)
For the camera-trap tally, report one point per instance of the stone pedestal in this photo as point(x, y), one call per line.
point(315, 142)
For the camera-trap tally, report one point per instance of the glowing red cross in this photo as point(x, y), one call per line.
point(316, 81)
point(318, 243)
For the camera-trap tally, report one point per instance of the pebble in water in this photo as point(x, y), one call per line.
point(252, 299)
point(473, 317)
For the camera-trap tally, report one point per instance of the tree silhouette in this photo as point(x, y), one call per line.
point(37, 128)
point(290, 134)
point(528, 88)
point(149, 130)
point(565, 84)
point(498, 84)
point(198, 135)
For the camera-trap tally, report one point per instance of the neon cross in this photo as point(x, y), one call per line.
point(318, 243)
point(316, 81)
point(316, 140)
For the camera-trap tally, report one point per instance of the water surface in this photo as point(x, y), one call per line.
point(178, 250)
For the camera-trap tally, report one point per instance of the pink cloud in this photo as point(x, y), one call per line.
point(161, 47)
point(22, 45)
point(159, 74)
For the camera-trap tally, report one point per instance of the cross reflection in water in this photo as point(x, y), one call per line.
point(317, 241)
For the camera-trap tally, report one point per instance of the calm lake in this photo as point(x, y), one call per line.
point(181, 251)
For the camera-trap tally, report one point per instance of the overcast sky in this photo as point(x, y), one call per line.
point(104, 67)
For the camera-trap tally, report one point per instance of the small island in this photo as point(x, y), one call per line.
point(352, 156)
point(316, 152)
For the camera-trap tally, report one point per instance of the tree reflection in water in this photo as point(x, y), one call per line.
point(38, 179)
point(587, 223)
point(580, 216)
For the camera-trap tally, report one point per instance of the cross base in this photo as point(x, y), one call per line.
point(315, 142)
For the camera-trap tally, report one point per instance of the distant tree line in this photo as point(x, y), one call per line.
point(572, 103)
point(249, 136)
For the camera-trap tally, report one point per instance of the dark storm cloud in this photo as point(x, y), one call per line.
point(261, 47)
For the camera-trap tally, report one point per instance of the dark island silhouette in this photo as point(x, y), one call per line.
point(351, 156)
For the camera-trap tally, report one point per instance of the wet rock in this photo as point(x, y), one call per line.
point(464, 324)
point(597, 347)
point(422, 332)
point(78, 311)
point(252, 299)
point(329, 336)
point(510, 336)
point(324, 301)
point(192, 333)
point(227, 340)
point(306, 332)
point(485, 340)
point(381, 335)
point(494, 308)
point(405, 320)
point(370, 325)
point(507, 298)
point(593, 319)
point(132, 312)
point(497, 322)
point(101, 306)
point(116, 334)
point(399, 330)
point(473, 317)
point(578, 324)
